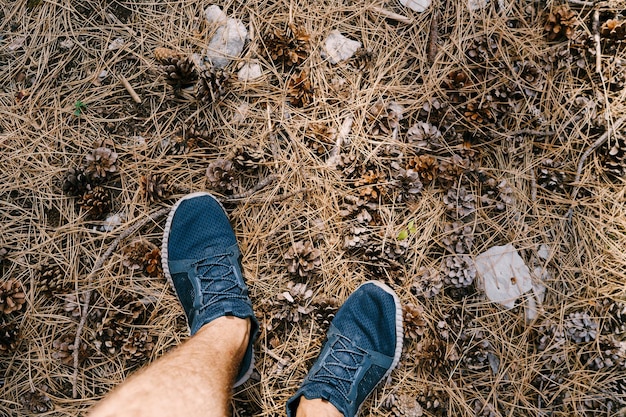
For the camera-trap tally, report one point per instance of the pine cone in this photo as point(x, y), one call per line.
point(37, 401)
point(101, 161)
point(357, 238)
point(362, 60)
point(135, 252)
point(458, 238)
point(431, 354)
point(482, 409)
point(300, 90)
point(10, 334)
point(76, 182)
point(580, 327)
point(550, 176)
point(614, 315)
point(402, 405)
point(414, 323)
point(154, 187)
point(384, 118)
point(459, 202)
point(482, 49)
point(12, 296)
point(325, 310)
point(179, 71)
point(614, 29)
point(425, 137)
point(289, 47)
point(496, 194)
point(409, 185)
point(614, 157)
point(248, 157)
point(551, 342)
point(458, 271)
point(52, 279)
point(610, 355)
point(214, 84)
point(96, 203)
point(152, 263)
point(533, 79)
point(113, 330)
point(73, 304)
point(303, 259)
point(478, 113)
point(221, 175)
point(451, 169)
point(137, 347)
point(433, 401)
point(427, 283)
point(372, 186)
point(560, 23)
point(426, 166)
point(320, 137)
point(64, 350)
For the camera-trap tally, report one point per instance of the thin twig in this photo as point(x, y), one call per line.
point(342, 137)
point(433, 37)
point(596, 39)
point(130, 89)
point(279, 198)
point(391, 15)
point(96, 268)
point(582, 3)
point(579, 169)
point(533, 185)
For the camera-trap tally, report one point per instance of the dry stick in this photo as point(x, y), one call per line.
point(96, 267)
point(262, 184)
point(596, 38)
point(433, 37)
point(582, 3)
point(130, 89)
point(595, 145)
point(391, 15)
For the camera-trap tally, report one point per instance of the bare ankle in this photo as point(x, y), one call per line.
point(234, 332)
point(316, 407)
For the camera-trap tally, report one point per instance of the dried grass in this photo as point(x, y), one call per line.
point(41, 139)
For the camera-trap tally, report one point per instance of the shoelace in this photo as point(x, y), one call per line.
point(347, 365)
point(228, 288)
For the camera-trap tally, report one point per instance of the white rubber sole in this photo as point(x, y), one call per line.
point(166, 269)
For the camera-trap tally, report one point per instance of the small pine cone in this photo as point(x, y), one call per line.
point(550, 176)
point(614, 315)
point(614, 29)
point(135, 252)
point(179, 71)
point(348, 164)
point(362, 60)
point(37, 401)
point(325, 310)
point(303, 259)
point(414, 323)
point(320, 137)
point(496, 194)
point(300, 90)
point(128, 311)
point(384, 118)
point(458, 271)
point(154, 187)
point(431, 354)
point(52, 279)
point(402, 405)
point(10, 334)
point(551, 341)
point(458, 238)
point(533, 80)
point(64, 350)
point(560, 23)
point(451, 169)
point(357, 238)
point(610, 355)
point(459, 203)
point(76, 182)
point(478, 113)
point(614, 157)
point(101, 161)
point(214, 84)
point(482, 49)
point(426, 166)
point(372, 185)
point(137, 347)
point(289, 47)
point(476, 356)
point(433, 110)
point(152, 263)
point(221, 175)
point(181, 145)
point(425, 137)
point(433, 401)
point(73, 305)
point(12, 296)
point(247, 157)
point(110, 338)
point(580, 327)
point(409, 185)
point(295, 303)
point(97, 203)
point(427, 283)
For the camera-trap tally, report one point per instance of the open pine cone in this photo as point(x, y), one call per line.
point(427, 283)
point(152, 263)
point(247, 157)
point(137, 347)
point(52, 279)
point(384, 117)
point(614, 157)
point(154, 187)
point(221, 175)
point(64, 350)
point(300, 90)
point(214, 84)
point(179, 71)
point(12, 296)
point(614, 29)
point(76, 182)
point(135, 252)
point(9, 334)
point(97, 202)
point(37, 401)
point(289, 47)
point(414, 323)
point(303, 259)
point(560, 23)
point(101, 162)
point(425, 165)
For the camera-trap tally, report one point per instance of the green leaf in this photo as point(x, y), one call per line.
point(412, 227)
point(403, 234)
point(79, 107)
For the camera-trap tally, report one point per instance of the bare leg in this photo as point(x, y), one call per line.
point(316, 408)
point(193, 380)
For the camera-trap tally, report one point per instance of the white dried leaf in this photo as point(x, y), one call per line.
point(338, 48)
point(249, 71)
point(116, 44)
point(475, 5)
point(228, 40)
point(503, 274)
point(416, 5)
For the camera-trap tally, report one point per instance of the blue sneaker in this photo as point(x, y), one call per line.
point(201, 260)
point(363, 346)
